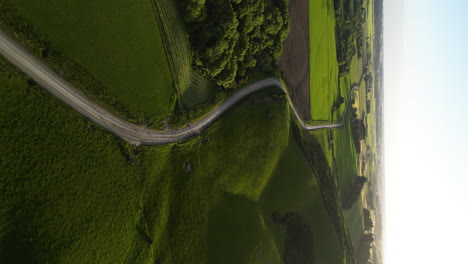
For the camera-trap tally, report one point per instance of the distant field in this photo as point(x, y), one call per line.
point(323, 60)
point(355, 69)
point(118, 42)
point(345, 155)
point(347, 170)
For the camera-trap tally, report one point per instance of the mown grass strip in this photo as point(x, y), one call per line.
point(192, 89)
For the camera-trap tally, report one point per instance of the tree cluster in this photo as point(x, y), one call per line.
point(359, 128)
point(354, 192)
point(230, 37)
point(359, 131)
point(365, 246)
point(368, 224)
point(338, 102)
point(298, 240)
point(350, 18)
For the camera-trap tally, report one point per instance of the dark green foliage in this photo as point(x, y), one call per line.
point(339, 101)
point(368, 224)
point(354, 193)
point(359, 129)
point(363, 255)
point(350, 17)
point(230, 37)
point(299, 242)
point(359, 133)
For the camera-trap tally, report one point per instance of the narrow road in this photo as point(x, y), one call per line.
point(133, 134)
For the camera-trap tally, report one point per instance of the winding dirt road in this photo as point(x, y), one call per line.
point(133, 134)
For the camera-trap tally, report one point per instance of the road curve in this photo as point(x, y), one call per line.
point(133, 134)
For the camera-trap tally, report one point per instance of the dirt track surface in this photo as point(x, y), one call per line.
point(294, 62)
point(132, 133)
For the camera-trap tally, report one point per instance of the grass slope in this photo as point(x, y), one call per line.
point(118, 42)
point(323, 60)
point(293, 187)
point(73, 193)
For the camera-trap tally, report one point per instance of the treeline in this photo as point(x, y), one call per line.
point(350, 18)
point(378, 22)
point(368, 223)
point(364, 253)
point(229, 38)
point(358, 130)
point(354, 193)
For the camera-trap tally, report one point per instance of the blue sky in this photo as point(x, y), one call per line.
point(426, 146)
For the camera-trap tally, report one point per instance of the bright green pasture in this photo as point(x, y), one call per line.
point(323, 61)
point(355, 70)
point(118, 42)
point(345, 156)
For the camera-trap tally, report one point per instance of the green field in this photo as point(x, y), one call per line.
point(117, 42)
point(82, 201)
point(323, 62)
point(293, 187)
point(345, 156)
point(354, 219)
point(73, 193)
point(346, 171)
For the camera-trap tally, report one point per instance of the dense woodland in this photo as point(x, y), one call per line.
point(229, 38)
point(350, 18)
point(365, 246)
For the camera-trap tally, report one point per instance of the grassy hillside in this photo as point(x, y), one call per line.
point(346, 162)
point(293, 188)
point(117, 42)
point(323, 61)
point(345, 156)
point(71, 192)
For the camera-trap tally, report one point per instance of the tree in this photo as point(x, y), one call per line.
point(339, 101)
point(231, 37)
point(359, 129)
point(368, 224)
point(354, 192)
